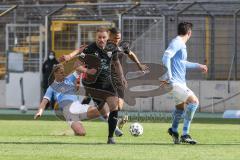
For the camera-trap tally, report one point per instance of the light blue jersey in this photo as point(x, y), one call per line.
point(63, 91)
point(175, 59)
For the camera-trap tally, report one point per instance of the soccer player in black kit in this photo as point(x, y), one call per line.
point(122, 51)
point(100, 87)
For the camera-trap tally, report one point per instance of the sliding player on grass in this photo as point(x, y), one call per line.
point(63, 91)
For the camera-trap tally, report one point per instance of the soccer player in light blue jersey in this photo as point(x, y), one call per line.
point(63, 91)
point(175, 59)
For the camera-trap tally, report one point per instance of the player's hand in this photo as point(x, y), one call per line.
point(38, 114)
point(143, 67)
point(91, 71)
point(164, 81)
point(68, 57)
point(64, 58)
point(204, 68)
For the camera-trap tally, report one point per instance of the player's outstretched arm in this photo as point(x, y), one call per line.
point(193, 65)
point(204, 68)
point(135, 59)
point(71, 55)
point(41, 108)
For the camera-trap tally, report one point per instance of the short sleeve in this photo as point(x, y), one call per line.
point(49, 93)
point(126, 51)
point(87, 50)
point(125, 47)
point(115, 56)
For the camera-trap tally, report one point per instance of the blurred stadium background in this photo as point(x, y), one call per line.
point(30, 29)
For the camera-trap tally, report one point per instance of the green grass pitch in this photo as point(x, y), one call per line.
point(45, 140)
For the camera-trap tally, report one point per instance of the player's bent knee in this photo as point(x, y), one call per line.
point(192, 99)
point(120, 104)
point(112, 103)
point(78, 129)
point(113, 107)
point(180, 106)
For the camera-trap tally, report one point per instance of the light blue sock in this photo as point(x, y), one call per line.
point(102, 118)
point(189, 113)
point(177, 115)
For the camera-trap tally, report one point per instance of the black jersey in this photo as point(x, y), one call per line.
point(105, 58)
point(121, 53)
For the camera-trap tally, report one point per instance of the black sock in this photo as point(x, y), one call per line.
point(112, 123)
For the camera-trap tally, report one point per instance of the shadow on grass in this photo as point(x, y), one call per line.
point(124, 143)
point(196, 120)
point(27, 117)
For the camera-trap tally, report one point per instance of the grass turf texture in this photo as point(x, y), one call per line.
point(29, 139)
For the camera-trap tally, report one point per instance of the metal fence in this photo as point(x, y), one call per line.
point(27, 40)
point(146, 35)
point(149, 26)
point(217, 29)
point(215, 34)
point(18, 34)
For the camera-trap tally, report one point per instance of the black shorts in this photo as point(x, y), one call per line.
point(87, 99)
point(99, 95)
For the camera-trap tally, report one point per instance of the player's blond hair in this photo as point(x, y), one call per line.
point(56, 67)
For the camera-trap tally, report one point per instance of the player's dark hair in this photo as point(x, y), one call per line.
point(114, 31)
point(102, 29)
point(184, 28)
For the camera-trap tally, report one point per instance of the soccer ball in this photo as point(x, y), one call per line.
point(23, 109)
point(136, 129)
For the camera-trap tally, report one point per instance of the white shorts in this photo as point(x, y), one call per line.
point(181, 92)
point(75, 112)
point(78, 108)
